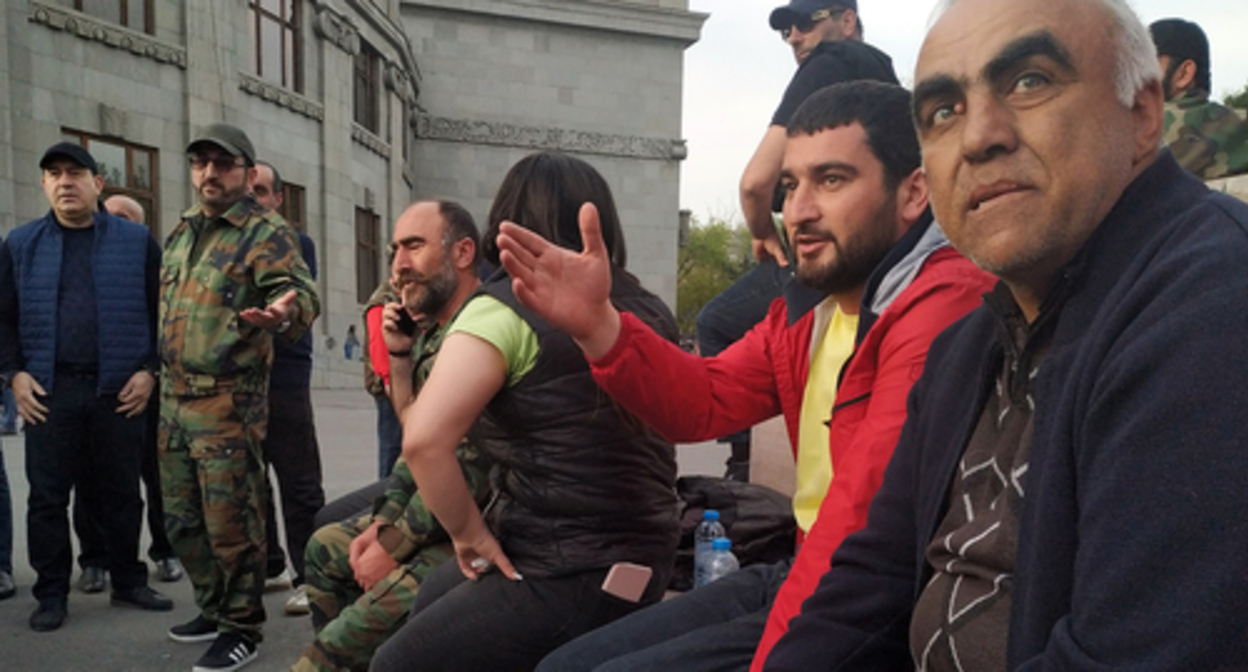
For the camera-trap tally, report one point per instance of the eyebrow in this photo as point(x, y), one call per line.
point(1040, 43)
point(937, 86)
point(404, 242)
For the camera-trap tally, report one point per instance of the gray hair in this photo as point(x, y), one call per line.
point(1135, 60)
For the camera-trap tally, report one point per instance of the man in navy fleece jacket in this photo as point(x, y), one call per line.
point(1068, 492)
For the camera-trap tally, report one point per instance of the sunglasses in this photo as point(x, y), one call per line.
point(221, 163)
point(803, 24)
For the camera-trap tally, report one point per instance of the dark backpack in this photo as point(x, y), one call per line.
point(757, 519)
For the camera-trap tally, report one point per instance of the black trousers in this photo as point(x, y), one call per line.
point(84, 440)
point(290, 448)
point(86, 504)
point(498, 624)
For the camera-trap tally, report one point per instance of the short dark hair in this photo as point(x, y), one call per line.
point(882, 109)
point(277, 177)
point(459, 225)
point(1183, 41)
point(544, 192)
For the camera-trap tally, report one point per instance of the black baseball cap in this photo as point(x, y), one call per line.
point(230, 138)
point(783, 17)
point(72, 151)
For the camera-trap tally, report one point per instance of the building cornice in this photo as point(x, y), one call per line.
point(88, 27)
point(370, 140)
point(280, 96)
point(614, 15)
point(479, 132)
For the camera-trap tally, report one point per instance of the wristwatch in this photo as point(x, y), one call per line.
point(284, 326)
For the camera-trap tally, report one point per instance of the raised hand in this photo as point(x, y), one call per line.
point(570, 290)
point(273, 315)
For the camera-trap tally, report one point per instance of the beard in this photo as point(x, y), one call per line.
point(431, 293)
point(225, 198)
point(855, 258)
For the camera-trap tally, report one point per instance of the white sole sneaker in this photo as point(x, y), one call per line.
point(297, 605)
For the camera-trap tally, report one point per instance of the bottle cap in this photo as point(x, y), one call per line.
point(721, 543)
point(710, 514)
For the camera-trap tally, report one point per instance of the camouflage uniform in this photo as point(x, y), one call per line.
point(351, 623)
point(1206, 138)
point(214, 409)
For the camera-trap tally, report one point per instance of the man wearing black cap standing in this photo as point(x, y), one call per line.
point(78, 297)
point(1206, 138)
point(826, 38)
point(232, 281)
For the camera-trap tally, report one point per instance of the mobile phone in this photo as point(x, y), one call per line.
point(627, 581)
point(406, 325)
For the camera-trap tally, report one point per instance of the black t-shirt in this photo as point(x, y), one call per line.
point(832, 63)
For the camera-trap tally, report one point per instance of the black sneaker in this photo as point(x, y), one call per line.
point(142, 597)
point(231, 651)
point(198, 630)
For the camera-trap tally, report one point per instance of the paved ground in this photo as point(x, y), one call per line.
point(101, 638)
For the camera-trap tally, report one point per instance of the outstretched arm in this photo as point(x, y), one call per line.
point(571, 291)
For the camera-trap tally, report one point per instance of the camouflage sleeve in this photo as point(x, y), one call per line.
point(1208, 139)
point(278, 267)
point(400, 487)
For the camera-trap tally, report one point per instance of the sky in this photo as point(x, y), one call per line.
point(736, 73)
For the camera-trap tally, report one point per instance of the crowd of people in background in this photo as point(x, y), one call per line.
point(996, 313)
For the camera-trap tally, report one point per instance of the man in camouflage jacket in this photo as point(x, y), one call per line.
point(232, 278)
point(1206, 138)
point(363, 574)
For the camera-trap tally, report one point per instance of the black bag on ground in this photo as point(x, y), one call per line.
point(757, 519)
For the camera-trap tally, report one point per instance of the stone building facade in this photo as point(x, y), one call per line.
point(363, 105)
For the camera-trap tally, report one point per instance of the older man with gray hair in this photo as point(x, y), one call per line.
point(1068, 492)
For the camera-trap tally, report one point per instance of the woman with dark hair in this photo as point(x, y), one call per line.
point(581, 488)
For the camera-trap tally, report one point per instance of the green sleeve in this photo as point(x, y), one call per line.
point(494, 322)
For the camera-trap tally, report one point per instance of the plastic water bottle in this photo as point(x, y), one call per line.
point(707, 532)
point(722, 562)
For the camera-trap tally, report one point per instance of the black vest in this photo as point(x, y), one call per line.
point(580, 483)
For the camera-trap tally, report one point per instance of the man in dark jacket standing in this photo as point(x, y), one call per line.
point(1068, 491)
point(78, 298)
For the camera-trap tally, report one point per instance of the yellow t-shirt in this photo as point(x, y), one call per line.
point(833, 337)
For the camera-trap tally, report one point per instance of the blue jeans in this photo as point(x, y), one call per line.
point(714, 628)
point(6, 520)
point(389, 436)
point(9, 423)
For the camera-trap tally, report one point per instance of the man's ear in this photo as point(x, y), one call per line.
point(847, 24)
point(913, 198)
point(1184, 76)
point(99, 183)
point(1149, 113)
point(463, 251)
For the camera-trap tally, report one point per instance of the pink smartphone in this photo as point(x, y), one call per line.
point(627, 581)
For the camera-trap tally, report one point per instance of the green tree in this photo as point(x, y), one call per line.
point(1238, 99)
point(715, 254)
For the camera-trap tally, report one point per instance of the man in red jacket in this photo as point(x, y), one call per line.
point(878, 281)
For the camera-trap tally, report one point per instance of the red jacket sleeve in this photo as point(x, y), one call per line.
point(378, 353)
point(903, 336)
point(685, 397)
